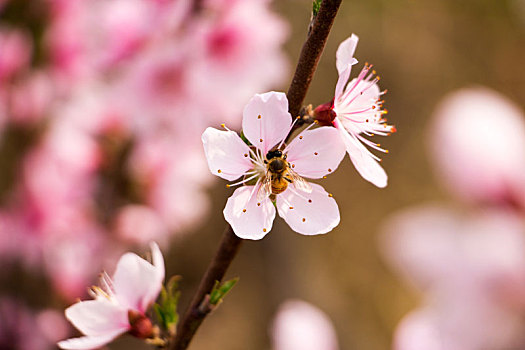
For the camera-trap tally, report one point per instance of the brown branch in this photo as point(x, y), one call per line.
point(308, 60)
point(194, 316)
point(310, 55)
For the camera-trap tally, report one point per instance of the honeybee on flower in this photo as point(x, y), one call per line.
point(272, 171)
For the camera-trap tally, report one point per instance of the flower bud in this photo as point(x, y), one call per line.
point(141, 326)
point(325, 114)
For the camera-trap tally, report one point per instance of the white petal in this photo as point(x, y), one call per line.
point(345, 53)
point(137, 283)
point(249, 218)
point(315, 153)
point(341, 82)
point(87, 343)
point(308, 213)
point(266, 118)
point(364, 163)
point(227, 154)
point(98, 317)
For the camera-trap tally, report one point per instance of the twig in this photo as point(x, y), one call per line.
point(308, 60)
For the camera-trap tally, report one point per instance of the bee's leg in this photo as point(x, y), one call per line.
point(265, 161)
point(287, 179)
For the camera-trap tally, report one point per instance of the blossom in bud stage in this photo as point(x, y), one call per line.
point(356, 112)
point(119, 304)
point(272, 171)
point(301, 326)
point(487, 163)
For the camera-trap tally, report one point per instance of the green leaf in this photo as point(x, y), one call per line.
point(166, 308)
point(220, 290)
point(316, 5)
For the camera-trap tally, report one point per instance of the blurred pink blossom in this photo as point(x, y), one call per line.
point(477, 141)
point(15, 52)
point(471, 269)
point(20, 329)
point(301, 326)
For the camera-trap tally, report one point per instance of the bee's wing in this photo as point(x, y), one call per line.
point(266, 187)
point(299, 183)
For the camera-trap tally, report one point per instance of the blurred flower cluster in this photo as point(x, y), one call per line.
point(102, 104)
point(468, 258)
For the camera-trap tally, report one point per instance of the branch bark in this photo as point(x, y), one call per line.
point(230, 243)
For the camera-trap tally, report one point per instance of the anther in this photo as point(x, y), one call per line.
point(259, 116)
point(260, 140)
point(244, 210)
point(324, 177)
point(300, 137)
point(228, 186)
point(264, 230)
point(293, 165)
point(223, 126)
point(309, 201)
point(291, 207)
point(304, 219)
point(315, 153)
point(329, 170)
point(219, 171)
point(246, 154)
point(258, 204)
point(330, 195)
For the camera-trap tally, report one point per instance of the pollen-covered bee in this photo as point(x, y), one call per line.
point(279, 175)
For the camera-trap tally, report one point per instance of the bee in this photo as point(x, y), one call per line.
point(279, 175)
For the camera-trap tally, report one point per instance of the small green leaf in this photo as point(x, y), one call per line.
point(166, 308)
point(316, 5)
point(220, 290)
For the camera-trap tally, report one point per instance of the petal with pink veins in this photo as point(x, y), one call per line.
point(316, 153)
point(228, 156)
point(249, 218)
point(89, 342)
point(137, 283)
point(266, 120)
point(308, 213)
point(98, 317)
point(363, 161)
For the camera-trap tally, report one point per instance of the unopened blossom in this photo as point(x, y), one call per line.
point(299, 325)
point(477, 143)
point(119, 304)
point(306, 207)
point(356, 112)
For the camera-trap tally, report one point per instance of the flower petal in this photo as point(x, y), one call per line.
point(315, 153)
point(364, 163)
point(308, 213)
point(98, 317)
point(137, 283)
point(344, 62)
point(345, 53)
point(227, 155)
point(249, 218)
point(266, 120)
point(87, 343)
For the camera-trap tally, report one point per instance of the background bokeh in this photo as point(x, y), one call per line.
point(422, 50)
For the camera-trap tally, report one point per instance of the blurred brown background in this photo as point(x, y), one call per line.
point(421, 49)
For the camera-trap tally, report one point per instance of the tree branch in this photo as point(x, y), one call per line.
point(230, 243)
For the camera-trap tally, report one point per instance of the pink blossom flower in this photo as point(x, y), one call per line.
point(301, 326)
point(487, 163)
point(356, 111)
point(472, 271)
point(15, 52)
point(119, 303)
point(307, 208)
